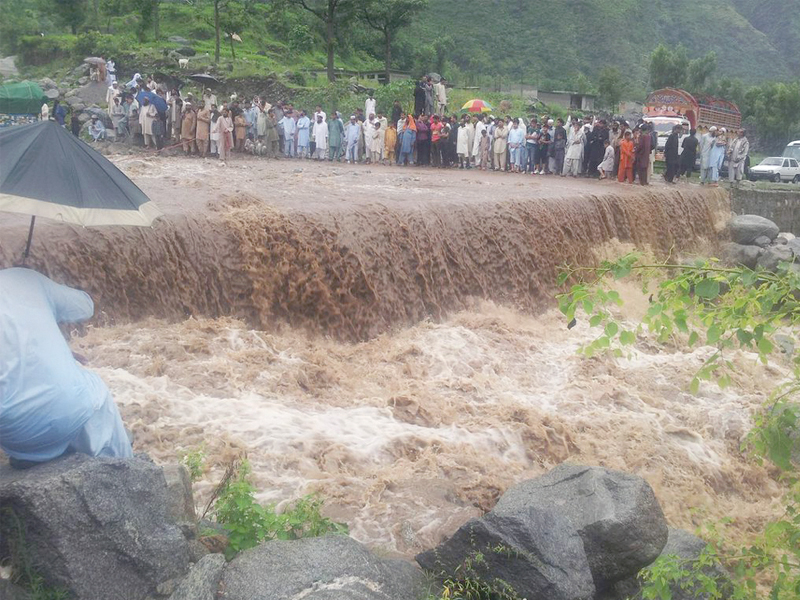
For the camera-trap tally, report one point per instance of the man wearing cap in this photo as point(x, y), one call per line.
point(739, 151)
point(707, 143)
point(96, 129)
point(352, 133)
point(113, 92)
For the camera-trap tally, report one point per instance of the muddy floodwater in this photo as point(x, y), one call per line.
point(387, 337)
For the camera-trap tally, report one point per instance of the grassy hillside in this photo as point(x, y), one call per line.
point(539, 42)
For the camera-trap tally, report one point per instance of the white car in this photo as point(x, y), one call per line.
point(777, 169)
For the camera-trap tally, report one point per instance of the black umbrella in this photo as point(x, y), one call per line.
point(205, 79)
point(47, 172)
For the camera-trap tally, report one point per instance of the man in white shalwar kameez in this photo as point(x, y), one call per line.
point(320, 131)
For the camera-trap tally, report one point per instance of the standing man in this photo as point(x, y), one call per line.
point(352, 135)
point(335, 136)
point(441, 96)
point(188, 125)
point(707, 143)
point(480, 127)
point(289, 129)
point(369, 105)
point(739, 151)
point(500, 145)
point(419, 97)
point(671, 155)
point(689, 154)
point(320, 138)
point(278, 112)
point(303, 132)
point(113, 92)
point(642, 155)
point(574, 155)
point(428, 96)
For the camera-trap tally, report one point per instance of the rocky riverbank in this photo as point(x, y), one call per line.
point(111, 528)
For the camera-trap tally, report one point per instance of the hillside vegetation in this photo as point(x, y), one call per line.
point(538, 42)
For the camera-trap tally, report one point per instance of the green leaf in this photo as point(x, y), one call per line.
point(595, 320)
point(562, 278)
point(693, 338)
point(708, 289)
point(611, 329)
point(713, 334)
point(765, 346)
point(694, 387)
point(627, 338)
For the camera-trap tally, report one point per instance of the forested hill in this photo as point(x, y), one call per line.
point(553, 40)
point(549, 43)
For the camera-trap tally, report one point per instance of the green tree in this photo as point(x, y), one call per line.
point(71, 13)
point(332, 13)
point(233, 22)
point(148, 17)
point(17, 22)
point(668, 68)
point(700, 71)
point(611, 87)
point(388, 17)
point(775, 108)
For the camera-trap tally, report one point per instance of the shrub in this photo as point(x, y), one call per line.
point(93, 43)
point(249, 523)
point(36, 50)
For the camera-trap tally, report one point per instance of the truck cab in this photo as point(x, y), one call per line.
point(663, 127)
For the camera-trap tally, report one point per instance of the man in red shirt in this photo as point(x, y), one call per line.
point(436, 136)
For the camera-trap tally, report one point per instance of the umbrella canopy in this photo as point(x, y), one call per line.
point(94, 60)
point(48, 172)
point(205, 79)
point(25, 97)
point(155, 99)
point(435, 77)
point(478, 106)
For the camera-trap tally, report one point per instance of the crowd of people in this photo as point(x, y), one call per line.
point(534, 145)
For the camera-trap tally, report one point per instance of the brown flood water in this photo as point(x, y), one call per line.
point(385, 336)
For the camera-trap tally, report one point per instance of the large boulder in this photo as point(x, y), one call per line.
point(202, 582)
point(180, 506)
point(616, 515)
point(332, 567)
point(93, 92)
point(774, 255)
point(740, 254)
point(535, 551)
point(176, 39)
point(745, 229)
point(9, 591)
point(96, 526)
point(52, 93)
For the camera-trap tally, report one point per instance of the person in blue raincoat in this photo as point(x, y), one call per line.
point(49, 404)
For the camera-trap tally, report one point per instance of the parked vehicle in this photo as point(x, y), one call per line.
point(792, 150)
point(700, 111)
point(663, 127)
point(776, 169)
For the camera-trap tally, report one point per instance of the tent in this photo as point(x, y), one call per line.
point(25, 97)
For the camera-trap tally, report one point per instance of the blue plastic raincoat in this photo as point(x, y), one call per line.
point(48, 403)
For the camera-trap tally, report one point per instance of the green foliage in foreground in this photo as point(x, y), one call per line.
point(249, 523)
point(727, 309)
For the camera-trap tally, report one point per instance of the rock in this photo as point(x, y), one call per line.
point(181, 501)
point(534, 550)
point(739, 254)
point(197, 550)
point(762, 241)
point(94, 93)
point(83, 117)
point(775, 255)
point(47, 83)
point(785, 235)
point(186, 51)
point(202, 582)
point(794, 246)
point(176, 39)
point(73, 100)
point(78, 107)
point(71, 93)
point(52, 94)
point(332, 567)
point(781, 241)
point(9, 591)
point(616, 514)
point(83, 80)
point(745, 229)
point(96, 526)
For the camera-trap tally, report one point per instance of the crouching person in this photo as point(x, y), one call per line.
point(49, 404)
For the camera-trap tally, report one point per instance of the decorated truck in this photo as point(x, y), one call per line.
point(700, 111)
